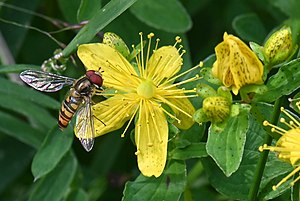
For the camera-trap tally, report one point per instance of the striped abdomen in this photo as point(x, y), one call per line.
point(67, 110)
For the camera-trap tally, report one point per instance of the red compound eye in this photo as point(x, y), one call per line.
point(95, 77)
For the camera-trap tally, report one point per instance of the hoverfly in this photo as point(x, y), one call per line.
point(77, 101)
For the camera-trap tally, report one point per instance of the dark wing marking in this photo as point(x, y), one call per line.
point(44, 81)
point(84, 127)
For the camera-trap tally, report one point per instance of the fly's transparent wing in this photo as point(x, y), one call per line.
point(84, 127)
point(44, 81)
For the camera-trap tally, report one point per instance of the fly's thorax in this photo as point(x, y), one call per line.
point(83, 87)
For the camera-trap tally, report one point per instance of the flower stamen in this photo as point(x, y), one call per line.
point(141, 55)
point(196, 77)
point(290, 116)
point(276, 129)
point(129, 122)
point(169, 114)
point(150, 36)
point(154, 121)
point(181, 74)
point(177, 40)
point(287, 177)
point(173, 105)
point(150, 144)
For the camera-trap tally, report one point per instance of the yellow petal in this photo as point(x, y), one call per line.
point(221, 67)
point(244, 64)
point(117, 70)
point(185, 105)
point(114, 112)
point(151, 138)
point(165, 62)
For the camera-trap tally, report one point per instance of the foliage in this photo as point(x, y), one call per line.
point(209, 161)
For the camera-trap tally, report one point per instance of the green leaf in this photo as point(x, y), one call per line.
point(87, 9)
point(28, 109)
point(69, 9)
point(17, 68)
point(194, 150)
point(102, 18)
point(249, 27)
point(167, 15)
point(14, 36)
point(284, 82)
point(54, 147)
point(206, 73)
point(226, 141)
point(78, 195)
point(258, 50)
point(238, 184)
point(25, 93)
point(14, 160)
point(22, 132)
point(169, 186)
point(57, 183)
point(289, 7)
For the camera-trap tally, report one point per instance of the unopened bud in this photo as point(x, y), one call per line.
point(279, 46)
point(216, 108)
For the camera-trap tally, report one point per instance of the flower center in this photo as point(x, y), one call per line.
point(146, 89)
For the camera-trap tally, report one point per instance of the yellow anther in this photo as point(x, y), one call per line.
point(266, 123)
point(150, 35)
point(201, 64)
point(178, 39)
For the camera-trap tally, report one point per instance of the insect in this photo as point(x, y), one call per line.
point(77, 101)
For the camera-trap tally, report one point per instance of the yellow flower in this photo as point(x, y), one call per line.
point(141, 90)
point(288, 145)
point(236, 65)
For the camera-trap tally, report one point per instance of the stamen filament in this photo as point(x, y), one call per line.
point(276, 128)
point(146, 110)
point(148, 49)
point(142, 67)
point(181, 74)
point(295, 180)
point(183, 82)
point(172, 105)
point(185, 96)
point(137, 137)
point(154, 121)
point(128, 124)
point(287, 177)
point(169, 114)
point(290, 116)
point(282, 120)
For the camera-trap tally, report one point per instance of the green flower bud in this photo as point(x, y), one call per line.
point(225, 92)
point(204, 90)
point(216, 108)
point(279, 46)
point(200, 116)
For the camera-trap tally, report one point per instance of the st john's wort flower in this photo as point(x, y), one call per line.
point(141, 91)
point(236, 65)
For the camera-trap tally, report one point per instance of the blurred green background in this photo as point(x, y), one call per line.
point(28, 118)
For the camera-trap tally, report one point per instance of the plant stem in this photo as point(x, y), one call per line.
point(264, 155)
point(295, 192)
